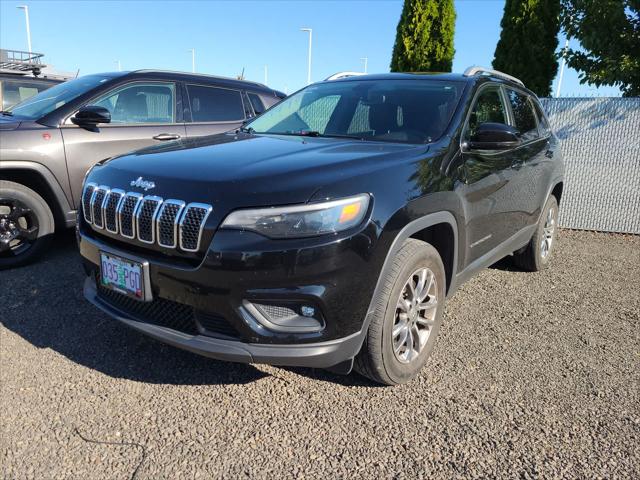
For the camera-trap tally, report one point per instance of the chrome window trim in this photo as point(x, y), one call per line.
point(204, 206)
point(84, 191)
point(154, 216)
point(104, 208)
point(171, 201)
point(138, 196)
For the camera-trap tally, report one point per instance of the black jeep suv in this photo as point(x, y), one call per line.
point(328, 231)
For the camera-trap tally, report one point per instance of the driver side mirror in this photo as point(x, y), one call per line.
point(494, 136)
point(91, 115)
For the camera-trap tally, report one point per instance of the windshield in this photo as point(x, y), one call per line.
point(408, 111)
point(46, 102)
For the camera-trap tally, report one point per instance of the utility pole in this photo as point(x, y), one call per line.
point(26, 17)
point(193, 59)
point(562, 65)
point(365, 60)
point(310, 30)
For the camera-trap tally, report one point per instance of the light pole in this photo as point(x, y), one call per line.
point(26, 17)
point(365, 60)
point(117, 62)
point(266, 74)
point(562, 65)
point(310, 30)
point(193, 59)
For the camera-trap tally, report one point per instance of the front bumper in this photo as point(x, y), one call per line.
point(336, 276)
point(318, 355)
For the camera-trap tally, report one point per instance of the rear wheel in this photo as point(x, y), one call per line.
point(407, 316)
point(26, 224)
point(537, 254)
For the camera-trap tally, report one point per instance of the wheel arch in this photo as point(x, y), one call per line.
point(39, 179)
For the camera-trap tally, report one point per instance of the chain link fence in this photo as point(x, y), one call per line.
point(600, 140)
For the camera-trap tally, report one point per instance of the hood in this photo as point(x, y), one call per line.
point(8, 122)
point(234, 171)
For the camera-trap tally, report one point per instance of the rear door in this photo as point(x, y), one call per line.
point(530, 162)
point(143, 113)
point(211, 109)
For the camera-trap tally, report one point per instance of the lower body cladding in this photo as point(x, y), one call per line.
point(250, 300)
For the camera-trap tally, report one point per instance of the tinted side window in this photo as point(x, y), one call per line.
point(525, 119)
point(140, 103)
point(488, 108)
point(257, 104)
point(212, 104)
point(543, 123)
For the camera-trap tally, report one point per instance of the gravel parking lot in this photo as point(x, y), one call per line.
point(534, 375)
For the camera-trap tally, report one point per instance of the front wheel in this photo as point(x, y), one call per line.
point(26, 224)
point(408, 314)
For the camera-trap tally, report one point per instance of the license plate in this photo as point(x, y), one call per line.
point(122, 275)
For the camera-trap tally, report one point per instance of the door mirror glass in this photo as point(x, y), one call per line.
point(91, 115)
point(494, 136)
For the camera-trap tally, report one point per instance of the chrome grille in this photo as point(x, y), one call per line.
point(96, 205)
point(168, 222)
point(110, 209)
point(145, 218)
point(191, 225)
point(86, 200)
point(149, 219)
point(126, 212)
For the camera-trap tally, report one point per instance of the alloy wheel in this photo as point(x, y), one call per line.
point(415, 315)
point(18, 227)
point(548, 233)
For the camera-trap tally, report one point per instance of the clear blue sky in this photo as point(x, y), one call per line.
point(231, 35)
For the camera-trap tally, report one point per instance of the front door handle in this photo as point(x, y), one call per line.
point(163, 137)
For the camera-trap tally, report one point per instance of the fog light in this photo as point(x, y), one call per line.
point(283, 316)
point(308, 311)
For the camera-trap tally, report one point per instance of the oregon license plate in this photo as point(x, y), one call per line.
point(124, 276)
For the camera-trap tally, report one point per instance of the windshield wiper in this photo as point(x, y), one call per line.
point(244, 129)
point(7, 113)
point(315, 133)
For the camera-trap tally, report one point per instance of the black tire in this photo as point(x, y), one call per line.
point(376, 359)
point(34, 222)
point(532, 258)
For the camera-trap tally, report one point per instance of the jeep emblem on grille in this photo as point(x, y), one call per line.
point(144, 184)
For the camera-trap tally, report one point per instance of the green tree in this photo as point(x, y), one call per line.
point(528, 43)
point(609, 34)
point(424, 37)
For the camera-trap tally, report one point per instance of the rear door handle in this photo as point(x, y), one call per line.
point(163, 137)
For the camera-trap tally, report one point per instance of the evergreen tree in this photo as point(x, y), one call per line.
point(528, 43)
point(424, 37)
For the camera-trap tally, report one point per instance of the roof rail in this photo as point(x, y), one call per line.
point(477, 70)
point(21, 62)
point(339, 75)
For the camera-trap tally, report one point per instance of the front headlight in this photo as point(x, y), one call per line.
point(301, 220)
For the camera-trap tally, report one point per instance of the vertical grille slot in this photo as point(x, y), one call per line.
point(126, 211)
point(96, 205)
point(168, 218)
point(146, 217)
point(192, 224)
point(109, 213)
point(86, 201)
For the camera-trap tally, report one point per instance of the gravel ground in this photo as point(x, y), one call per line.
point(534, 375)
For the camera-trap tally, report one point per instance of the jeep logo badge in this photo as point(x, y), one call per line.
point(144, 184)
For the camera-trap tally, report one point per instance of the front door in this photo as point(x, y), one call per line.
point(487, 179)
point(142, 114)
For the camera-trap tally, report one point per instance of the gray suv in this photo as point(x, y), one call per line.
point(48, 142)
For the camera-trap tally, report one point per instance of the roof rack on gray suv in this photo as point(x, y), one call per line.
point(477, 70)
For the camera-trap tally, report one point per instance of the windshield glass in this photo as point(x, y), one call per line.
point(408, 111)
point(45, 102)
